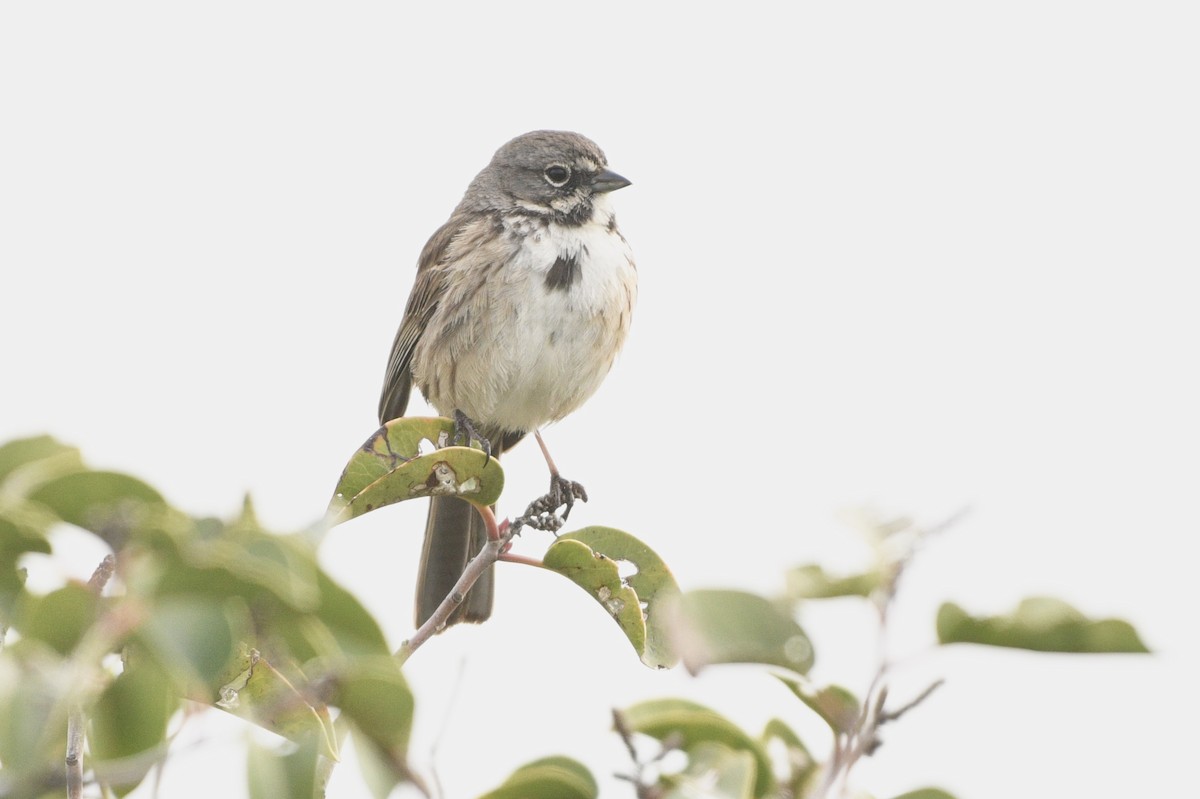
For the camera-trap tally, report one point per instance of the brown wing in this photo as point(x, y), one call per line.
point(426, 293)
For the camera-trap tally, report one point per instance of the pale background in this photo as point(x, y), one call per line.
point(915, 255)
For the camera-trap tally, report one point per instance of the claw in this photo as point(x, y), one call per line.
point(465, 431)
point(565, 492)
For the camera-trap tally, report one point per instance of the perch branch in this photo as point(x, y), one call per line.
point(475, 569)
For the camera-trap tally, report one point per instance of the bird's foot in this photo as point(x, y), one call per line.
point(542, 513)
point(465, 432)
point(565, 492)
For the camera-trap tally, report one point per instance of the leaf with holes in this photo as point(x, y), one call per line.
point(598, 575)
point(390, 468)
point(590, 558)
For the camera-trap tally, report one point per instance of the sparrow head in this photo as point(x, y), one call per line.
point(548, 173)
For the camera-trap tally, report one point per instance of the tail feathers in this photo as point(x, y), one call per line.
point(454, 532)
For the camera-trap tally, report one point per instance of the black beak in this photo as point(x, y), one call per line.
point(608, 181)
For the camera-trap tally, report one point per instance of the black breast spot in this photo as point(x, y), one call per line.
point(564, 274)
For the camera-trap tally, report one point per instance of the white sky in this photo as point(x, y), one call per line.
point(917, 255)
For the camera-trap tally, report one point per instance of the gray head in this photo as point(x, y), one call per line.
point(548, 173)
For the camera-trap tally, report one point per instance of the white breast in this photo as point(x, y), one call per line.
point(538, 352)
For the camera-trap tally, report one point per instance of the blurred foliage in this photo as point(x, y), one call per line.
point(1043, 624)
point(703, 734)
point(836, 706)
point(229, 615)
point(812, 582)
point(548, 778)
point(224, 613)
point(721, 626)
point(714, 627)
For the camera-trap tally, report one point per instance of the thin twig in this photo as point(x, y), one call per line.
point(622, 728)
point(643, 788)
point(512, 557)
point(75, 753)
point(75, 719)
point(892, 715)
point(864, 740)
point(102, 574)
point(435, 776)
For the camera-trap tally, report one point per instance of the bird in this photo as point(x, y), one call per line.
point(522, 301)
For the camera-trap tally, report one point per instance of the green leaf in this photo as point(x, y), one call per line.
point(813, 582)
point(1043, 624)
point(255, 690)
point(599, 576)
point(591, 558)
point(193, 637)
point(389, 468)
point(102, 502)
point(129, 725)
point(548, 778)
point(800, 765)
point(44, 450)
point(222, 584)
point(292, 773)
point(714, 772)
point(725, 626)
point(353, 627)
point(377, 772)
point(835, 705)
point(373, 695)
point(211, 559)
point(694, 724)
point(776, 729)
point(23, 529)
point(15, 541)
point(60, 618)
point(926, 793)
point(391, 445)
point(24, 465)
point(339, 626)
point(33, 720)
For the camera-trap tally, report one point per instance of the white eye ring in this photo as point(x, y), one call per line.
point(557, 175)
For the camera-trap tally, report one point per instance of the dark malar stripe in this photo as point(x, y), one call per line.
point(564, 274)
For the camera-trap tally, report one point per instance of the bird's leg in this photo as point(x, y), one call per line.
point(562, 491)
point(465, 431)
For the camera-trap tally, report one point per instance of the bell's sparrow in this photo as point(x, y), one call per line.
point(521, 302)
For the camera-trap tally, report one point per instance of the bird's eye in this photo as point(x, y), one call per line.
point(557, 175)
